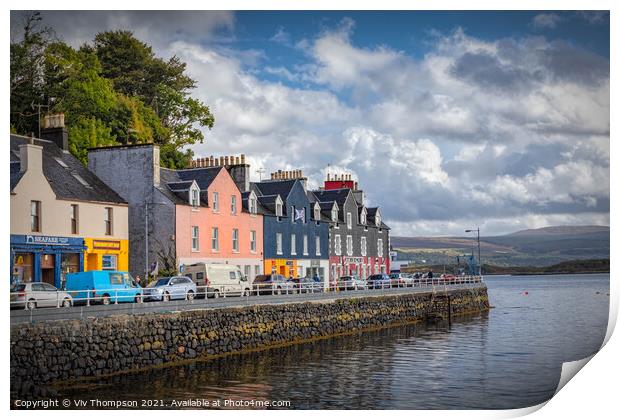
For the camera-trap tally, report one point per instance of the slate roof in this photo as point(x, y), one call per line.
point(339, 195)
point(276, 187)
point(175, 184)
point(62, 179)
point(268, 202)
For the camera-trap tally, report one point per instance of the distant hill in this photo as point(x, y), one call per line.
point(531, 247)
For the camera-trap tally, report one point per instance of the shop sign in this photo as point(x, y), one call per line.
point(46, 240)
point(108, 245)
point(289, 263)
point(354, 260)
point(315, 263)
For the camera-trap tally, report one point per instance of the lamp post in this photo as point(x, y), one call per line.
point(146, 238)
point(477, 230)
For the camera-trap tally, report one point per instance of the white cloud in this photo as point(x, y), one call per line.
point(546, 20)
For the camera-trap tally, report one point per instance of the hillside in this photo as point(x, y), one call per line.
point(532, 247)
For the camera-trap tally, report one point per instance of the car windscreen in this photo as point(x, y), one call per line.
point(261, 278)
point(18, 288)
point(162, 281)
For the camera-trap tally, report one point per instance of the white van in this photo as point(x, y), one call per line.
point(218, 279)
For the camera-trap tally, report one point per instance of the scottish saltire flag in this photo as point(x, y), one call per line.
point(300, 214)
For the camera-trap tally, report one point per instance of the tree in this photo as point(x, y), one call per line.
point(27, 82)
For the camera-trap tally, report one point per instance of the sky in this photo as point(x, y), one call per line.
point(448, 120)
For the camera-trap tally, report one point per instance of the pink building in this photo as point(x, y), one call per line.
point(214, 221)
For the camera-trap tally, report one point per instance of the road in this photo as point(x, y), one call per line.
point(19, 316)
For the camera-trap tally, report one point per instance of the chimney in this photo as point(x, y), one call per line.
point(30, 157)
point(54, 130)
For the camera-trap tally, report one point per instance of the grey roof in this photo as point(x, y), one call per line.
point(275, 187)
point(339, 195)
point(268, 202)
point(66, 182)
point(175, 183)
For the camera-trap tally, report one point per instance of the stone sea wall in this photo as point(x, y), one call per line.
point(49, 352)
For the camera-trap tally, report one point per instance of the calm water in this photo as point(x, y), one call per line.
point(508, 358)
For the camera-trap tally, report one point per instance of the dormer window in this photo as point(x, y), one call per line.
point(278, 207)
point(317, 212)
point(194, 196)
point(378, 218)
point(334, 214)
point(363, 216)
point(252, 203)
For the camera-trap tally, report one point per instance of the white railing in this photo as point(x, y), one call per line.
point(31, 300)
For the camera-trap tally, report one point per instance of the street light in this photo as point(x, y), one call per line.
point(146, 238)
point(477, 230)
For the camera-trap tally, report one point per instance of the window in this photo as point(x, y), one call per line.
point(363, 246)
point(74, 219)
point(252, 204)
point(216, 202)
point(305, 244)
point(378, 218)
point(257, 270)
point(363, 217)
point(215, 244)
point(349, 245)
point(195, 243)
point(293, 214)
point(235, 240)
point(380, 247)
point(246, 272)
point(279, 243)
point(349, 221)
point(337, 245)
point(109, 262)
point(35, 216)
point(252, 241)
point(334, 214)
point(293, 244)
point(108, 220)
point(317, 212)
point(278, 208)
point(318, 245)
point(233, 204)
point(194, 200)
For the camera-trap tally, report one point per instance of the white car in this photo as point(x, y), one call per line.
point(38, 295)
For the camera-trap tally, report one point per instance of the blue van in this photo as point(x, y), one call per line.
point(103, 286)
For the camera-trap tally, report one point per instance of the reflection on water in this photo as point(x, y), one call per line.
point(508, 358)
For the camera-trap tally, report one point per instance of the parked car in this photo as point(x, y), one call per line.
point(379, 281)
point(272, 284)
point(38, 295)
point(217, 280)
point(103, 287)
point(351, 283)
point(448, 278)
point(306, 285)
point(167, 288)
point(401, 280)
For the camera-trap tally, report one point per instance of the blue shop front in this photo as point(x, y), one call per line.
point(40, 258)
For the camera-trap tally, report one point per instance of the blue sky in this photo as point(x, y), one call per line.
point(447, 119)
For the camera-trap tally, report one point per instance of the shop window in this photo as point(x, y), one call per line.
point(22, 268)
point(69, 263)
point(35, 216)
point(109, 262)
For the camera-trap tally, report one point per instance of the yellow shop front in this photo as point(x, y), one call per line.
point(106, 254)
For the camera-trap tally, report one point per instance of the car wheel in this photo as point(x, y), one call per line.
point(190, 295)
point(246, 292)
point(166, 297)
point(138, 299)
point(106, 299)
point(278, 291)
point(32, 304)
point(66, 303)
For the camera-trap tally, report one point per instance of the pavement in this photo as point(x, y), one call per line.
point(19, 316)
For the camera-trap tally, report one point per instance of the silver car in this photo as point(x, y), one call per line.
point(38, 295)
point(167, 288)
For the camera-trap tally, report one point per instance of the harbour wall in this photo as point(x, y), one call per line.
point(51, 352)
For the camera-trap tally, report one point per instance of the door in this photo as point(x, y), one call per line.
point(47, 268)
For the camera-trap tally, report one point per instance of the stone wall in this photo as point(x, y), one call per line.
point(63, 350)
